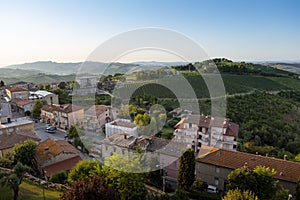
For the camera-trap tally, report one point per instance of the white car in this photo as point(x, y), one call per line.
point(212, 189)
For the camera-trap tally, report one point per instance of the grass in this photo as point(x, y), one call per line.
point(233, 84)
point(29, 191)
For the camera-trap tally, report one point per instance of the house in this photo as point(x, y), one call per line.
point(62, 116)
point(8, 140)
point(19, 124)
point(179, 112)
point(214, 167)
point(23, 84)
point(199, 130)
point(48, 97)
point(121, 126)
point(23, 106)
point(17, 93)
point(122, 144)
point(97, 116)
point(87, 85)
point(169, 153)
point(5, 112)
point(53, 156)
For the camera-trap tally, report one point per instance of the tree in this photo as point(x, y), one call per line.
point(282, 194)
point(62, 85)
point(5, 162)
point(199, 185)
point(260, 180)
point(2, 83)
point(122, 173)
point(59, 177)
point(19, 170)
point(83, 170)
point(25, 152)
point(13, 180)
point(186, 172)
point(90, 188)
point(36, 111)
point(237, 194)
point(47, 87)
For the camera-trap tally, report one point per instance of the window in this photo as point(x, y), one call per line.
point(216, 181)
point(217, 170)
point(190, 125)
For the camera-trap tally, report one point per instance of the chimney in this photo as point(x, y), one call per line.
point(285, 157)
point(46, 150)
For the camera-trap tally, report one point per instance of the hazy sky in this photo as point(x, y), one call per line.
point(68, 31)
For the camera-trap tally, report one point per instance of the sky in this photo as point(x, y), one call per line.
point(69, 31)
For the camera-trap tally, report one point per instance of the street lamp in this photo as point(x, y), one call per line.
point(44, 183)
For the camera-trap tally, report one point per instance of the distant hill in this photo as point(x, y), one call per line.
point(89, 67)
point(47, 67)
point(290, 67)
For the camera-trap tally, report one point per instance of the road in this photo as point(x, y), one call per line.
point(40, 131)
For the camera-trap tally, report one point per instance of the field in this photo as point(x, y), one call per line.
point(234, 84)
point(29, 191)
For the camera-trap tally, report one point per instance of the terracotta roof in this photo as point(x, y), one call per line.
point(9, 140)
point(97, 110)
point(66, 108)
point(121, 140)
point(54, 148)
point(22, 103)
point(124, 124)
point(17, 89)
point(64, 165)
point(286, 170)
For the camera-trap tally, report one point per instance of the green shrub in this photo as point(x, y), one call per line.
point(60, 177)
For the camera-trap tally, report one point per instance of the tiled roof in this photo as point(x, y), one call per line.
point(9, 140)
point(96, 110)
point(122, 139)
point(64, 165)
point(54, 148)
point(124, 124)
point(286, 170)
point(22, 103)
point(16, 89)
point(65, 108)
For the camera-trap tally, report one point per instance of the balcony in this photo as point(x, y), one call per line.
point(204, 135)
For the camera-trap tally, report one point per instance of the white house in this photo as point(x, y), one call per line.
point(200, 130)
point(121, 126)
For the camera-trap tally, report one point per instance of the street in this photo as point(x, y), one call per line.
point(40, 131)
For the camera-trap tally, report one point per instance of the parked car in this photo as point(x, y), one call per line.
point(212, 189)
point(52, 127)
point(47, 126)
point(51, 130)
